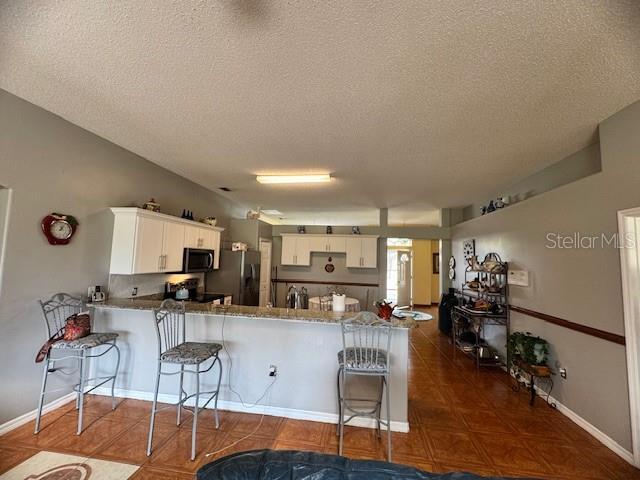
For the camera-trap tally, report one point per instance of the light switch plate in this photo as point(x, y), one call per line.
point(518, 277)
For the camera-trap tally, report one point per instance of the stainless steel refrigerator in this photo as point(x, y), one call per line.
point(239, 275)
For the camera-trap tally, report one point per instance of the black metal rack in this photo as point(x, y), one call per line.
point(486, 281)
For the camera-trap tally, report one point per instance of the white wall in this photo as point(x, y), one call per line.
point(580, 285)
point(54, 166)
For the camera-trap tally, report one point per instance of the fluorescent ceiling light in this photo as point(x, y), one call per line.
point(272, 212)
point(294, 178)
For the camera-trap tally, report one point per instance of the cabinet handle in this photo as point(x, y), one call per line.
point(159, 262)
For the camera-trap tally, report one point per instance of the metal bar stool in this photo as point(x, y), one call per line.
point(56, 310)
point(366, 340)
point(173, 349)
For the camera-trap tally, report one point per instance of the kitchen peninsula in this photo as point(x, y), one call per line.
point(302, 344)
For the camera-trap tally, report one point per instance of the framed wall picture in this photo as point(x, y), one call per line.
point(435, 262)
point(469, 248)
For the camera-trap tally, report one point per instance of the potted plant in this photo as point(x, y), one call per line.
point(527, 350)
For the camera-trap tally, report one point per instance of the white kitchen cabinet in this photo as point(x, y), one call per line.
point(172, 246)
point(150, 242)
point(296, 250)
point(362, 252)
point(328, 243)
point(147, 251)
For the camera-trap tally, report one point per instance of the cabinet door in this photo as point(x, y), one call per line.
point(191, 236)
point(148, 245)
point(288, 256)
point(207, 238)
point(216, 245)
point(337, 244)
point(303, 250)
point(318, 244)
point(353, 248)
point(173, 247)
point(369, 253)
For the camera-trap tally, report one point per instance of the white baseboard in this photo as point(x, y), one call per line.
point(27, 417)
point(271, 411)
point(598, 434)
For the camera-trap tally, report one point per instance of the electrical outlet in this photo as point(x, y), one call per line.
point(134, 292)
point(563, 373)
point(273, 370)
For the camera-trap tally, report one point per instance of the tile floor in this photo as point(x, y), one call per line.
point(460, 420)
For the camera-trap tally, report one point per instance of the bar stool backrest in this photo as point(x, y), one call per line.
point(369, 338)
point(57, 309)
point(170, 325)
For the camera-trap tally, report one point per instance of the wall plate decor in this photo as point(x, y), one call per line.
point(59, 228)
point(452, 273)
point(452, 262)
point(329, 267)
point(469, 248)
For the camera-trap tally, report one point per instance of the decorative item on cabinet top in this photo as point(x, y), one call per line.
point(149, 242)
point(151, 205)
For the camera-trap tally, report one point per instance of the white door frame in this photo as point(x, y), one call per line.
point(629, 231)
point(6, 195)
point(266, 247)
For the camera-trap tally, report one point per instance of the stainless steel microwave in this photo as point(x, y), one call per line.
point(197, 260)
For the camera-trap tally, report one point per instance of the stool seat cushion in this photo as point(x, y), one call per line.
point(191, 353)
point(364, 360)
point(90, 341)
point(291, 464)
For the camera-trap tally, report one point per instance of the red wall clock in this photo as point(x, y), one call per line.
point(59, 228)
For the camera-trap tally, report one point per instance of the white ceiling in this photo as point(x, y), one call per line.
point(412, 105)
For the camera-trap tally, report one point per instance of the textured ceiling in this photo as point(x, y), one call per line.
point(410, 104)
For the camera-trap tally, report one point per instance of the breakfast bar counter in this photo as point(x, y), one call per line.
point(302, 344)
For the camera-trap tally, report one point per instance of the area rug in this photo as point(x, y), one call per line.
point(57, 466)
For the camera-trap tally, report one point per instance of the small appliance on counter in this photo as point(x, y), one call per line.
point(188, 291)
point(96, 294)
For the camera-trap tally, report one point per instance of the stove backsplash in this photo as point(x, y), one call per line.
point(121, 286)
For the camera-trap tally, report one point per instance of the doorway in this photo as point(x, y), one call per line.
point(5, 206)
point(413, 272)
point(629, 243)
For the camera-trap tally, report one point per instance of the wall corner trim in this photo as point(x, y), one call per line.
point(594, 431)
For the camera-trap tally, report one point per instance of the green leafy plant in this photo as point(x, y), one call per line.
point(530, 349)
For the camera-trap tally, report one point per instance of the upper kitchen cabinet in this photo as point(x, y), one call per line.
point(328, 243)
point(149, 242)
point(362, 251)
point(296, 250)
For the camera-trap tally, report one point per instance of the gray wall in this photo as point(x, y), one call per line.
point(574, 167)
point(581, 285)
point(52, 165)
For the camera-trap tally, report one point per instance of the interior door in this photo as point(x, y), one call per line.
point(173, 246)
point(265, 272)
point(404, 278)
point(148, 249)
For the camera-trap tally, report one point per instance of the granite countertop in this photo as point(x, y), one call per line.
point(243, 311)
